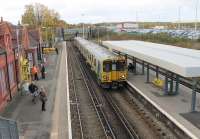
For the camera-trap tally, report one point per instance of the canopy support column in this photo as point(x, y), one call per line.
point(194, 86)
point(166, 84)
point(142, 67)
point(147, 81)
point(135, 65)
point(157, 74)
point(171, 84)
point(177, 84)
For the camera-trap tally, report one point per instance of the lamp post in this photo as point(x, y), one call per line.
point(83, 27)
point(46, 35)
point(18, 55)
point(196, 15)
point(179, 18)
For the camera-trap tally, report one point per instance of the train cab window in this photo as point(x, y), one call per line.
point(121, 65)
point(107, 66)
point(114, 66)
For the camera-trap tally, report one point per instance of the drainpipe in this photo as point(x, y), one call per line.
point(16, 74)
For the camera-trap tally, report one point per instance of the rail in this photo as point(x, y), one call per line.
point(100, 113)
point(76, 99)
point(131, 132)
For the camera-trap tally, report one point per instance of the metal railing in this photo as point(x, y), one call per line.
point(8, 129)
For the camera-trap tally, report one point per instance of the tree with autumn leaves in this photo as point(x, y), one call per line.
point(40, 16)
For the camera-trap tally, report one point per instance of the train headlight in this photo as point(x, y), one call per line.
point(123, 76)
point(105, 77)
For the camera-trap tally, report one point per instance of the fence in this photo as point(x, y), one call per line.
point(8, 129)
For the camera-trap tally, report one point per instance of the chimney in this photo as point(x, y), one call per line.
point(1, 19)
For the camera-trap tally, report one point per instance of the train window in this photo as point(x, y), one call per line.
point(121, 65)
point(114, 66)
point(107, 66)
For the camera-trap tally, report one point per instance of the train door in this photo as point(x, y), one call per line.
point(107, 70)
point(114, 71)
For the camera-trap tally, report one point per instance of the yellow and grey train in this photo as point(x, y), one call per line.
point(109, 68)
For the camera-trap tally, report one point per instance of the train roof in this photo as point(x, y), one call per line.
point(98, 51)
point(182, 61)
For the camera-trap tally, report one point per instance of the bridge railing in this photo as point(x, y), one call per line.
point(8, 129)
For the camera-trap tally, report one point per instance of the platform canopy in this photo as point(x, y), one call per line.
point(182, 61)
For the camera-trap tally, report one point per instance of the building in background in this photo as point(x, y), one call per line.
point(8, 79)
point(122, 26)
point(20, 49)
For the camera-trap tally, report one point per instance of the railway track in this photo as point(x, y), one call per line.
point(131, 132)
point(120, 120)
point(153, 118)
point(158, 115)
point(92, 121)
point(121, 126)
point(146, 125)
point(74, 103)
point(150, 128)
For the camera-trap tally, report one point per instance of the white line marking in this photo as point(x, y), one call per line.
point(68, 102)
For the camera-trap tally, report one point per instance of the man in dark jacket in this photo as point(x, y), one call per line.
point(33, 90)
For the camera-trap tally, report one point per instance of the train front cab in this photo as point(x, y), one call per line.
point(114, 73)
point(119, 72)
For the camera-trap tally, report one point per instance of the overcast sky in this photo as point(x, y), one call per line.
point(77, 11)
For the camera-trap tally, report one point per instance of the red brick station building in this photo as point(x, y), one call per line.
point(16, 42)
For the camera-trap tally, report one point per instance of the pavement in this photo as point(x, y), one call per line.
point(34, 123)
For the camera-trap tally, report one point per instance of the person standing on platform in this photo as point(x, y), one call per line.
point(43, 71)
point(56, 49)
point(35, 72)
point(131, 67)
point(43, 98)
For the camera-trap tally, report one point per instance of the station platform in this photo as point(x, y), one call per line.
point(177, 106)
point(52, 123)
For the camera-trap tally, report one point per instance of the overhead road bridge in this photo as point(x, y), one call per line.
point(178, 65)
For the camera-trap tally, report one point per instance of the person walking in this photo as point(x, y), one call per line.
point(43, 98)
point(35, 72)
point(56, 49)
point(43, 71)
point(33, 89)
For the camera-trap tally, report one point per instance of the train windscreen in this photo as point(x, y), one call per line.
point(121, 65)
